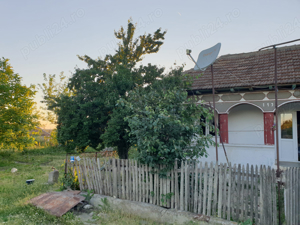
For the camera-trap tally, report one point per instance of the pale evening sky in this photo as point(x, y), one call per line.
point(46, 36)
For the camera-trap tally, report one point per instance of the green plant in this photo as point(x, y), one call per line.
point(88, 196)
point(104, 207)
point(70, 180)
point(247, 222)
point(166, 197)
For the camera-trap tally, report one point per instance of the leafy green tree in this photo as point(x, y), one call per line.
point(17, 117)
point(91, 112)
point(165, 124)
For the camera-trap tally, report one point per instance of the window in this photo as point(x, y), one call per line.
point(286, 125)
point(209, 127)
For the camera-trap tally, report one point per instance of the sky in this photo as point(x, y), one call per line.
point(46, 36)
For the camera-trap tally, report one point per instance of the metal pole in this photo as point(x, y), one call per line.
point(276, 124)
point(215, 118)
point(276, 111)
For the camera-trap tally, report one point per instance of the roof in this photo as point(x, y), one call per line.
point(251, 69)
point(41, 132)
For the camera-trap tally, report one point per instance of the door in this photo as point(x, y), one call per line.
point(288, 136)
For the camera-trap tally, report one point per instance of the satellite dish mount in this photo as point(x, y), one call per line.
point(206, 58)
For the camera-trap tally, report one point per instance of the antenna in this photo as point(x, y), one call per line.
point(207, 57)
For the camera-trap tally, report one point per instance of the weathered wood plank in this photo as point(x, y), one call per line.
point(172, 189)
point(122, 161)
point(221, 186)
point(247, 197)
point(205, 188)
point(233, 191)
point(200, 189)
point(176, 186)
point(157, 185)
point(182, 186)
point(191, 185)
point(100, 176)
point(251, 195)
point(274, 193)
point(256, 191)
point(224, 191)
point(269, 195)
point(238, 192)
point(115, 178)
point(168, 180)
point(215, 189)
point(242, 201)
point(196, 188)
point(86, 174)
point(229, 179)
point(210, 188)
point(186, 185)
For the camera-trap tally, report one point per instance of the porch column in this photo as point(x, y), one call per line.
point(268, 131)
point(223, 121)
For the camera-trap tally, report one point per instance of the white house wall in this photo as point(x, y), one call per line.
point(243, 154)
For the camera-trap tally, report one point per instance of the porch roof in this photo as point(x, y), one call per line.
point(251, 69)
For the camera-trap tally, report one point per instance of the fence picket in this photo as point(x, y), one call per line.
point(196, 189)
point(85, 173)
point(176, 186)
point(215, 192)
point(186, 186)
point(269, 195)
point(151, 185)
point(181, 187)
point(205, 188)
point(200, 189)
point(172, 188)
point(247, 198)
point(238, 192)
point(221, 186)
point(242, 199)
point(224, 191)
point(191, 184)
point(256, 194)
point(157, 186)
point(229, 192)
point(96, 177)
point(79, 171)
point(210, 188)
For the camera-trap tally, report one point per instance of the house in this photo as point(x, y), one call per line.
point(245, 105)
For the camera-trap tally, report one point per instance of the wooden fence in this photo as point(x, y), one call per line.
point(230, 192)
point(292, 195)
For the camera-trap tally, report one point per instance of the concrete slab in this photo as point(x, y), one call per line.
point(157, 213)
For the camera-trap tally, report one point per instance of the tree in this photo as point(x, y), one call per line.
point(17, 117)
point(91, 112)
point(165, 124)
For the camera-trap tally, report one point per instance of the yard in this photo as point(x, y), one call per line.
point(15, 193)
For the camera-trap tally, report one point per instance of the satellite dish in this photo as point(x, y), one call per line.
point(207, 57)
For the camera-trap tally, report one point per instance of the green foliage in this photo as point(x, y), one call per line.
point(105, 206)
point(69, 180)
point(166, 197)
point(247, 222)
point(166, 124)
point(17, 115)
point(88, 196)
point(90, 112)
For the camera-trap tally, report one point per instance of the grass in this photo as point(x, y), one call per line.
point(15, 193)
